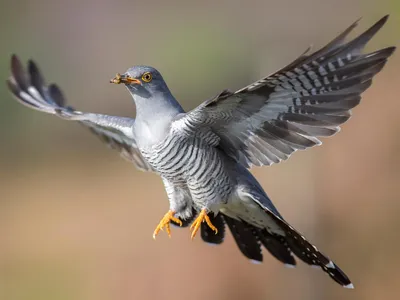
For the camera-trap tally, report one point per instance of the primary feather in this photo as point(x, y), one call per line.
point(30, 89)
point(265, 122)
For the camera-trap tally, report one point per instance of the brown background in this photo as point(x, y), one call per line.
point(76, 220)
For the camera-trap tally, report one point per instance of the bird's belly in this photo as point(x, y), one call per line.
point(240, 206)
point(200, 166)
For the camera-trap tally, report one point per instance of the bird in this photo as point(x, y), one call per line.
point(204, 156)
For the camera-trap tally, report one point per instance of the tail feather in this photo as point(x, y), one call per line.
point(308, 253)
point(282, 246)
point(277, 246)
point(294, 242)
point(246, 238)
point(208, 235)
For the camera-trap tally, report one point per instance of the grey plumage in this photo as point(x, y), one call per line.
point(30, 90)
point(203, 156)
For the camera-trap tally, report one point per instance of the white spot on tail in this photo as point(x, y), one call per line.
point(349, 286)
point(289, 266)
point(255, 262)
point(330, 265)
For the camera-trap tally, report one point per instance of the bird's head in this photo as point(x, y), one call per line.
point(154, 101)
point(142, 81)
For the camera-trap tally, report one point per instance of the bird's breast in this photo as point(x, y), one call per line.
point(191, 160)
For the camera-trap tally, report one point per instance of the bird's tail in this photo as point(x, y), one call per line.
point(284, 246)
point(307, 252)
point(280, 238)
point(281, 245)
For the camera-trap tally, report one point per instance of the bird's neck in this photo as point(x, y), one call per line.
point(154, 117)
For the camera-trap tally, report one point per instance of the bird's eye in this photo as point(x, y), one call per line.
point(147, 77)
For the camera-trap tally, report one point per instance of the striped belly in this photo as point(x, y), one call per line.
point(192, 161)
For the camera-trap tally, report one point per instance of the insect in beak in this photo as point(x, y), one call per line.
point(124, 79)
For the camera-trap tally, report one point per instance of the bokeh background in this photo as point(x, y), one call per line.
point(76, 220)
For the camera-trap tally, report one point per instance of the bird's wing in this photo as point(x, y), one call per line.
point(265, 122)
point(30, 89)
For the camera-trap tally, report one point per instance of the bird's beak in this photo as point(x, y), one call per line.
point(124, 79)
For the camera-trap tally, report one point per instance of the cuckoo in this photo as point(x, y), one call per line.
point(203, 156)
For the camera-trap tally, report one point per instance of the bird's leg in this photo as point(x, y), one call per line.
point(168, 217)
point(197, 222)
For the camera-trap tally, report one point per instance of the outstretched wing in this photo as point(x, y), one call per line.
point(29, 88)
point(265, 122)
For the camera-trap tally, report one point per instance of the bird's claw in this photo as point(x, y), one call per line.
point(165, 222)
point(197, 223)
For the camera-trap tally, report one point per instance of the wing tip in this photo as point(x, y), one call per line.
point(14, 58)
point(15, 62)
point(354, 25)
point(17, 71)
point(32, 67)
point(382, 21)
point(370, 32)
point(10, 82)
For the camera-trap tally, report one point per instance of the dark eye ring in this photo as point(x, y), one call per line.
point(147, 77)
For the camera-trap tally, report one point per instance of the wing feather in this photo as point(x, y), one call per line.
point(29, 88)
point(266, 121)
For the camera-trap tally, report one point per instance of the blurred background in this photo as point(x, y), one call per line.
point(76, 220)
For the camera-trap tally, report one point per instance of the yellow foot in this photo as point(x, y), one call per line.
point(168, 217)
point(201, 218)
